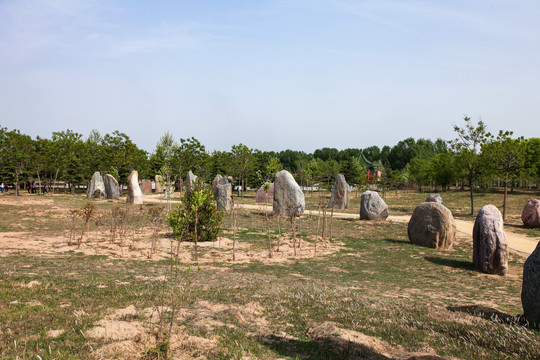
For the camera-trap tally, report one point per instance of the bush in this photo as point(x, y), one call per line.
point(197, 207)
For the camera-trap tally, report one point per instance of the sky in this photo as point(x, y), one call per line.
point(271, 74)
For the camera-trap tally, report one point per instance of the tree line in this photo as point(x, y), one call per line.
point(475, 159)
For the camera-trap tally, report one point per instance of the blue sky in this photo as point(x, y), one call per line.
point(299, 74)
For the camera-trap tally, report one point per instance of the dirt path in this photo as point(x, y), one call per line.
point(517, 242)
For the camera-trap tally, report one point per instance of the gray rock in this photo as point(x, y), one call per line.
point(372, 206)
point(531, 213)
point(288, 197)
point(159, 183)
point(435, 198)
point(190, 179)
point(432, 225)
point(134, 193)
point(96, 187)
point(223, 197)
point(490, 247)
point(262, 196)
point(112, 189)
point(215, 183)
point(530, 290)
point(341, 193)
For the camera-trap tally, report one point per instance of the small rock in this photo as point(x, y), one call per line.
point(434, 198)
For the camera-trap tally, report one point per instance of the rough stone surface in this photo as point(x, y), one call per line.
point(432, 225)
point(96, 187)
point(288, 197)
point(531, 213)
point(490, 247)
point(223, 197)
point(372, 206)
point(530, 291)
point(159, 183)
point(341, 193)
point(262, 196)
point(112, 189)
point(215, 183)
point(435, 198)
point(190, 179)
point(134, 193)
point(146, 187)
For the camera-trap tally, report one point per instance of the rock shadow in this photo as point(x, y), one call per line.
point(330, 349)
point(491, 314)
point(396, 241)
point(457, 264)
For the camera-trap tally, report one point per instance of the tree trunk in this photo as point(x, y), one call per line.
point(39, 182)
point(505, 193)
point(471, 188)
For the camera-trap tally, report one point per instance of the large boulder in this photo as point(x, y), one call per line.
point(490, 247)
point(288, 197)
point(223, 196)
point(262, 195)
point(159, 183)
point(341, 193)
point(112, 189)
point(190, 179)
point(134, 193)
point(372, 206)
point(432, 225)
point(434, 198)
point(530, 291)
point(531, 213)
point(96, 187)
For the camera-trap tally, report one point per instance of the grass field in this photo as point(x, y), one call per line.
point(102, 298)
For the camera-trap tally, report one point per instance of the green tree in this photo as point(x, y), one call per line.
point(532, 159)
point(466, 146)
point(242, 163)
point(17, 148)
point(69, 147)
point(507, 157)
point(418, 169)
point(443, 169)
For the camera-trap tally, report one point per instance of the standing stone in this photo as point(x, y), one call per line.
point(146, 187)
point(432, 225)
point(372, 206)
point(262, 195)
point(215, 183)
point(159, 183)
point(178, 184)
point(288, 197)
point(96, 187)
point(223, 196)
point(134, 193)
point(190, 179)
point(341, 193)
point(490, 247)
point(530, 290)
point(434, 198)
point(531, 213)
point(112, 189)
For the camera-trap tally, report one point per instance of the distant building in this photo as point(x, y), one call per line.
point(373, 169)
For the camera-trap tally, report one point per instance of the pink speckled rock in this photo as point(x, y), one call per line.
point(490, 247)
point(531, 213)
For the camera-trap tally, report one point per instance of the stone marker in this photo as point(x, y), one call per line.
point(134, 193)
point(372, 206)
point(190, 179)
point(288, 197)
point(434, 198)
point(341, 193)
point(432, 225)
point(215, 183)
point(159, 183)
point(530, 291)
point(262, 196)
point(490, 247)
point(531, 213)
point(112, 189)
point(223, 196)
point(146, 187)
point(96, 187)
point(178, 184)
